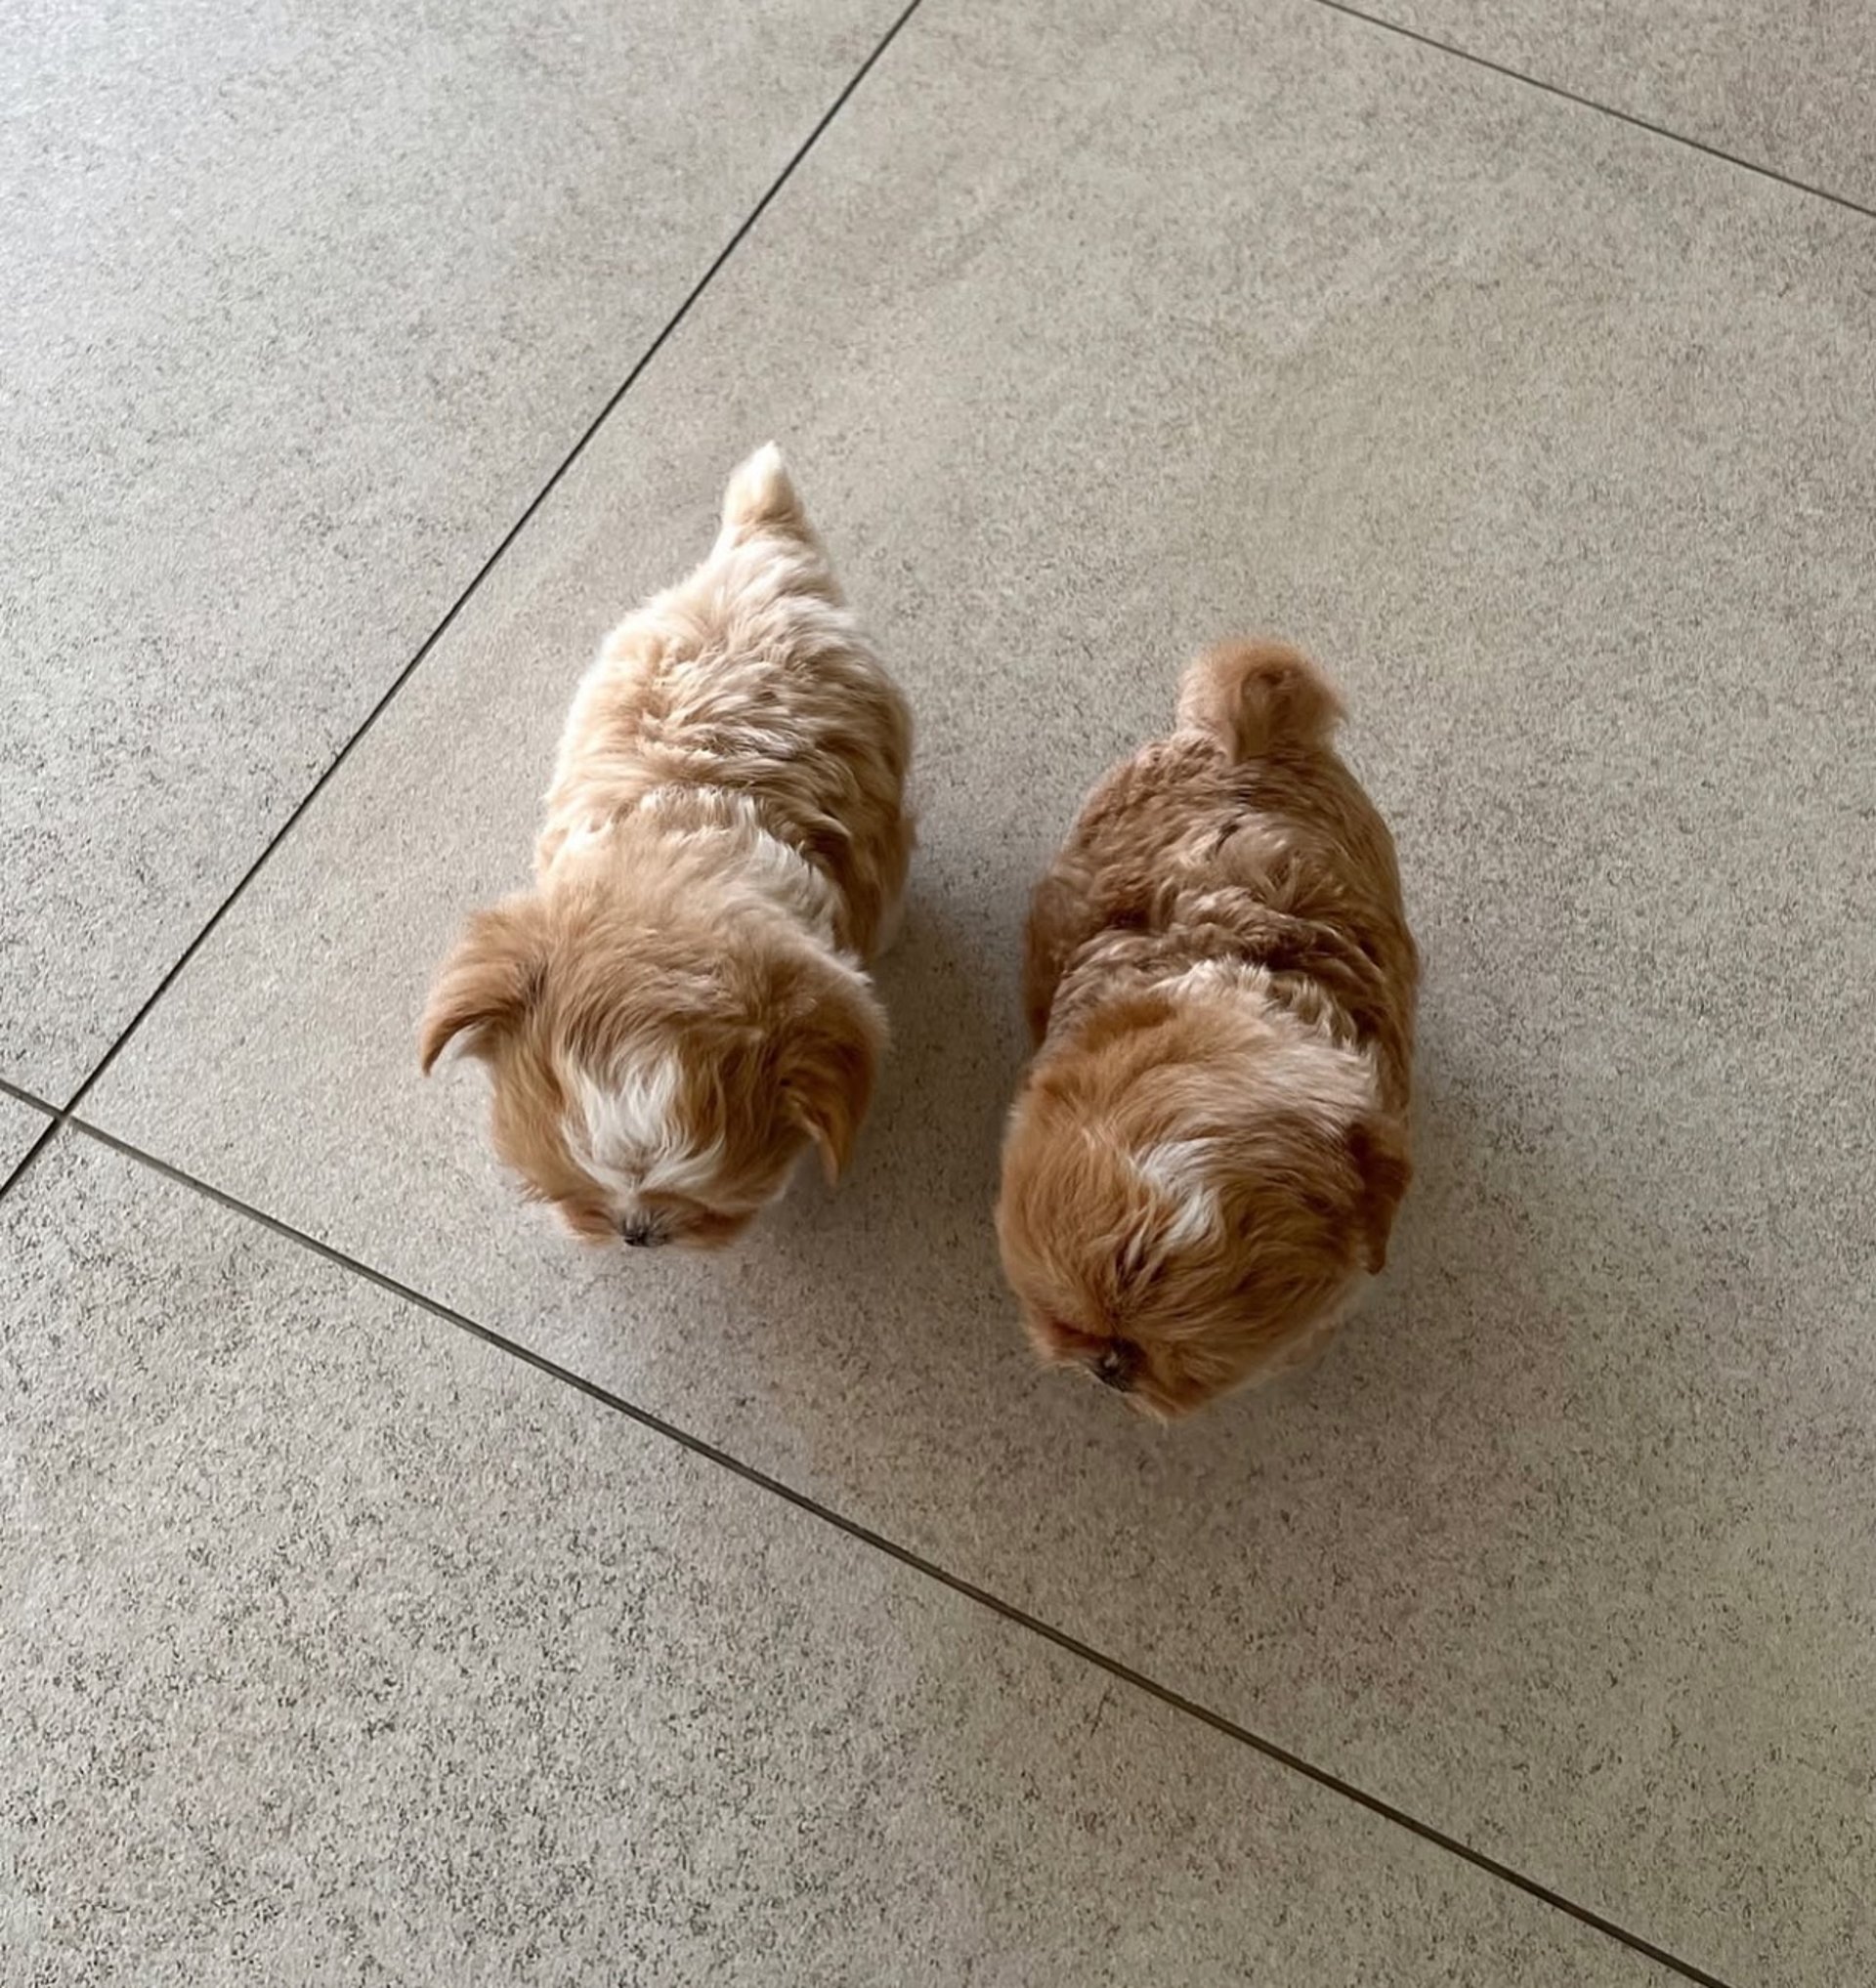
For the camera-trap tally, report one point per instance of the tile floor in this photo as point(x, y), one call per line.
point(389, 1593)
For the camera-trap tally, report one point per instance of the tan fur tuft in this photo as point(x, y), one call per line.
point(832, 1062)
point(487, 982)
point(761, 496)
point(1259, 697)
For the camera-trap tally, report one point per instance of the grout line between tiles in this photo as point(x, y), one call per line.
point(488, 565)
point(905, 1556)
point(55, 1119)
point(26, 1097)
point(1713, 152)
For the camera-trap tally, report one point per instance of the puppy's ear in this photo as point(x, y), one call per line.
point(487, 983)
point(831, 1060)
point(1378, 1145)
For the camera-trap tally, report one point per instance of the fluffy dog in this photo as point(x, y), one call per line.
point(1208, 1150)
point(679, 1008)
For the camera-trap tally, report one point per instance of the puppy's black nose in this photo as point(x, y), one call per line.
point(1116, 1367)
point(640, 1233)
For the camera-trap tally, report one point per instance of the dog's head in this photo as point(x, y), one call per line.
point(1191, 1196)
point(657, 1078)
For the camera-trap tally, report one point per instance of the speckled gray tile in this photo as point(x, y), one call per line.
point(19, 1126)
point(303, 304)
point(1788, 88)
point(1095, 331)
point(341, 1646)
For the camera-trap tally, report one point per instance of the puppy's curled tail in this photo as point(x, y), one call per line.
point(1257, 698)
point(761, 497)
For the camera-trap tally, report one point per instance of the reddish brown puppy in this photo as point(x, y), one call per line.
point(1205, 1154)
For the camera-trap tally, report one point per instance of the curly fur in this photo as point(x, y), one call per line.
point(1208, 1150)
point(679, 1008)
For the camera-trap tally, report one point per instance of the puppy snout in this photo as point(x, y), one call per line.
point(1115, 1368)
point(640, 1231)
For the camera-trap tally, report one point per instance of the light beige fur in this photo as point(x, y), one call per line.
point(680, 1006)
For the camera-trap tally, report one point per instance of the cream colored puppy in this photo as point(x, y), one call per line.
point(679, 1008)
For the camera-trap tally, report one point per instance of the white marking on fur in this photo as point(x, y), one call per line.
point(775, 868)
point(1326, 1080)
point(1211, 978)
point(781, 872)
point(628, 1134)
point(586, 834)
point(1333, 1082)
point(1178, 1170)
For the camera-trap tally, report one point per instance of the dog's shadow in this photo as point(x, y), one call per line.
point(863, 1270)
point(1550, 1291)
point(1532, 1279)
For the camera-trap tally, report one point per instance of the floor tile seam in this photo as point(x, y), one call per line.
point(430, 642)
point(8, 1089)
point(1629, 117)
point(907, 1557)
point(41, 1140)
